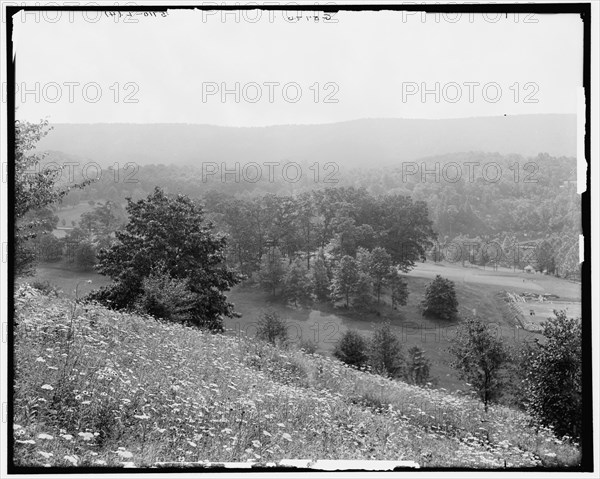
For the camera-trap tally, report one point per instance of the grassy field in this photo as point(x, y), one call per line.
point(325, 325)
point(99, 388)
point(504, 278)
point(478, 292)
point(63, 276)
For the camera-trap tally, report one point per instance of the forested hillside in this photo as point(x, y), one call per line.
point(470, 197)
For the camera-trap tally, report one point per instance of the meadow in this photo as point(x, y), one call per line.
point(478, 291)
point(100, 388)
point(66, 278)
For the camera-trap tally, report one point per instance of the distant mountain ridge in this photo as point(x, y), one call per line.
point(366, 142)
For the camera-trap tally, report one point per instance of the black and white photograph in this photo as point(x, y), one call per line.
point(299, 237)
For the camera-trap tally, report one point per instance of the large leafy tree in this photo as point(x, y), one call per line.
point(405, 229)
point(440, 299)
point(479, 357)
point(169, 231)
point(553, 375)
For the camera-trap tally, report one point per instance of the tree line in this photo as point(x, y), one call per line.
point(331, 221)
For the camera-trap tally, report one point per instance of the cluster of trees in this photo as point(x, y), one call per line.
point(383, 354)
point(338, 221)
point(355, 281)
point(535, 201)
point(533, 198)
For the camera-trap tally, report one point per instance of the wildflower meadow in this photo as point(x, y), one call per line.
point(100, 388)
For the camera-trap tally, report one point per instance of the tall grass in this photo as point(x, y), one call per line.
point(101, 388)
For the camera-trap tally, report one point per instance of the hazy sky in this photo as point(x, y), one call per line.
point(89, 69)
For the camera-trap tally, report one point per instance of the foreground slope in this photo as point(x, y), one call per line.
point(95, 387)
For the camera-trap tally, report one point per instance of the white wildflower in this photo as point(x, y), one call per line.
point(71, 459)
point(86, 436)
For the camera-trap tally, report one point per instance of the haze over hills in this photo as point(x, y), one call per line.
point(372, 142)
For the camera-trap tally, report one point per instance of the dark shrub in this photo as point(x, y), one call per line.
point(352, 349)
